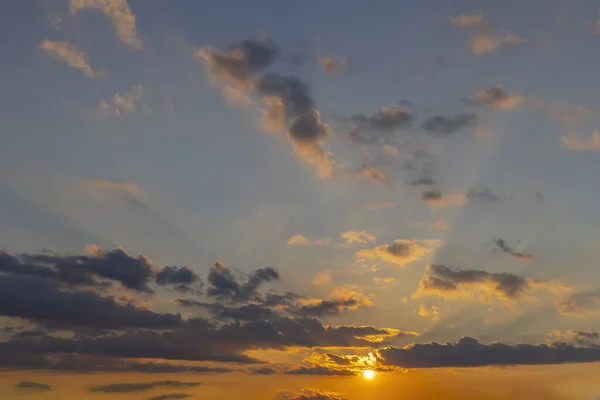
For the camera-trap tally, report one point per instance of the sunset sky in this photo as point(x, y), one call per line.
point(299, 200)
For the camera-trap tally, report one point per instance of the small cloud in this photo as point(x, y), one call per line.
point(435, 198)
point(580, 305)
point(352, 237)
point(496, 97)
point(401, 252)
point(300, 240)
point(575, 143)
point(309, 394)
point(383, 282)
point(588, 337)
point(71, 55)
point(484, 39)
point(136, 387)
point(320, 279)
point(122, 104)
point(118, 12)
point(371, 173)
point(503, 246)
point(433, 312)
point(445, 126)
point(32, 386)
point(386, 119)
point(333, 65)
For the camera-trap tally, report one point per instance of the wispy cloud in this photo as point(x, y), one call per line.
point(123, 103)
point(352, 237)
point(300, 240)
point(574, 142)
point(401, 252)
point(71, 55)
point(118, 12)
point(333, 65)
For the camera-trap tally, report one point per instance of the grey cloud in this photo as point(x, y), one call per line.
point(506, 248)
point(325, 307)
point(32, 385)
point(580, 305)
point(319, 370)
point(247, 312)
point(430, 195)
point(386, 119)
point(482, 194)
point(136, 387)
point(171, 396)
point(441, 125)
point(38, 300)
point(495, 97)
point(422, 182)
point(468, 352)
point(264, 371)
point(176, 275)
point(224, 286)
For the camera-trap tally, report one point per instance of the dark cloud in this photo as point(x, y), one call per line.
point(483, 194)
point(445, 126)
point(136, 387)
point(309, 394)
point(182, 279)
point(447, 282)
point(224, 286)
point(319, 370)
point(326, 307)
point(506, 248)
point(32, 385)
point(264, 371)
point(248, 312)
point(132, 272)
point(580, 305)
point(241, 62)
point(38, 300)
point(432, 195)
point(468, 352)
point(422, 182)
point(171, 396)
point(495, 97)
point(386, 119)
point(582, 338)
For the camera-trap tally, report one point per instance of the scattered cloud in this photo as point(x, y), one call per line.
point(118, 12)
point(484, 38)
point(137, 387)
point(479, 285)
point(386, 119)
point(445, 126)
point(333, 65)
point(506, 248)
point(122, 104)
point(362, 237)
point(587, 337)
point(574, 142)
point(433, 313)
point(580, 305)
point(300, 240)
point(401, 252)
point(371, 173)
point(435, 198)
point(496, 97)
point(468, 352)
point(341, 298)
point(171, 396)
point(32, 386)
point(71, 55)
point(309, 394)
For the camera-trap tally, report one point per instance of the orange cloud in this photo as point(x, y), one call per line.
point(401, 252)
point(71, 55)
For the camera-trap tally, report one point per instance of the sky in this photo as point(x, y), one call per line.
point(292, 200)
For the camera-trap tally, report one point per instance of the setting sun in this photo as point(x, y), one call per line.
point(369, 374)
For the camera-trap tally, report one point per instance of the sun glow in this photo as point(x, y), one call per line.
point(369, 374)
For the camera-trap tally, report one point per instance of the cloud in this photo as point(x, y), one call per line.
point(422, 182)
point(484, 39)
point(587, 337)
point(183, 279)
point(433, 312)
point(371, 173)
point(39, 300)
point(580, 305)
point(482, 194)
point(171, 396)
point(300, 240)
point(401, 252)
point(386, 119)
point(224, 286)
point(435, 198)
point(118, 12)
point(240, 64)
point(333, 65)
point(445, 126)
point(137, 387)
point(575, 143)
point(318, 370)
point(342, 298)
point(361, 237)
point(309, 394)
point(496, 97)
point(122, 104)
point(468, 352)
point(321, 278)
point(478, 284)
point(32, 386)
point(71, 55)
point(594, 26)
point(506, 248)
point(247, 312)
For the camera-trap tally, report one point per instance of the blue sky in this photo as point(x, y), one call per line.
point(144, 125)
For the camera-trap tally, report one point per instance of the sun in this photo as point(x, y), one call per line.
point(369, 374)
